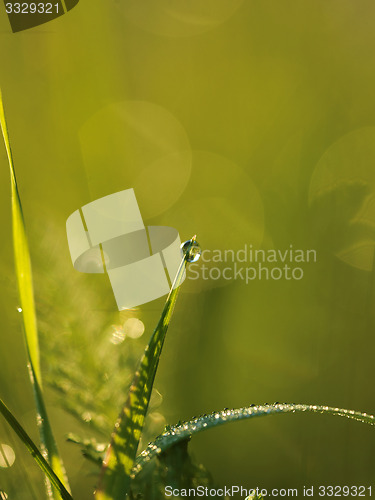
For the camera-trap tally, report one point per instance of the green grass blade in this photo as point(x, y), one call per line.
point(33, 449)
point(185, 430)
point(26, 294)
point(115, 475)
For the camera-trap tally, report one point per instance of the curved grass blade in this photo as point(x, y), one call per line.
point(115, 474)
point(184, 431)
point(26, 294)
point(32, 448)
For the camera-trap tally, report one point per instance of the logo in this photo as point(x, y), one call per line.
point(28, 14)
point(108, 236)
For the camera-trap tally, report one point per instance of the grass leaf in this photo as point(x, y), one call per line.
point(26, 294)
point(177, 433)
point(115, 475)
point(33, 449)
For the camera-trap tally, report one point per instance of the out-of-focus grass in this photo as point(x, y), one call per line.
point(118, 462)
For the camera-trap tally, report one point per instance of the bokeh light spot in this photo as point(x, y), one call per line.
point(134, 328)
point(7, 456)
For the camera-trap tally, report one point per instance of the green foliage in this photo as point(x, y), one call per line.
point(85, 330)
point(115, 475)
point(121, 472)
point(174, 468)
point(32, 448)
point(91, 449)
point(26, 293)
point(176, 433)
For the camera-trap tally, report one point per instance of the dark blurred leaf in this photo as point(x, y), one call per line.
point(335, 220)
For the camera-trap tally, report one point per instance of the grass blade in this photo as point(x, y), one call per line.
point(26, 294)
point(33, 449)
point(184, 431)
point(115, 475)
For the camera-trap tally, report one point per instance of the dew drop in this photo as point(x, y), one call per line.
point(192, 250)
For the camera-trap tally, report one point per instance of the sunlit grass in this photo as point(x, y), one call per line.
point(26, 294)
point(117, 454)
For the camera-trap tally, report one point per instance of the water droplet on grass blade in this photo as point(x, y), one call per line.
point(192, 250)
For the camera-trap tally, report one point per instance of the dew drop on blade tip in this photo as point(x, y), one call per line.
point(192, 250)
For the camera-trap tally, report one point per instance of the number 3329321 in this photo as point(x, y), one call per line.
point(32, 8)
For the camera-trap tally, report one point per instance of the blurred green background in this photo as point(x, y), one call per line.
point(244, 122)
